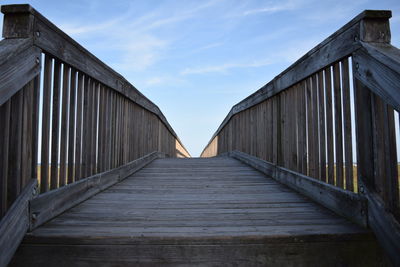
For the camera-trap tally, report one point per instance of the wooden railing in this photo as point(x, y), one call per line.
point(332, 116)
point(66, 116)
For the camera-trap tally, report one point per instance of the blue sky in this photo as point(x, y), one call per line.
point(196, 59)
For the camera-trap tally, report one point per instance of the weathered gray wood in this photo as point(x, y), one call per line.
point(79, 115)
point(72, 128)
point(15, 223)
point(5, 110)
point(64, 124)
point(321, 118)
point(384, 225)
point(53, 203)
point(347, 204)
point(55, 125)
point(348, 142)
point(15, 151)
point(337, 93)
point(45, 149)
point(18, 71)
point(378, 67)
point(329, 125)
point(52, 40)
point(193, 217)
point(368, 26)
point(251, 251)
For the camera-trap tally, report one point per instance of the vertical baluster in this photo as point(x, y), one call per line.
point(64, 125)
point(94, 127)
point(15, 152)
point(322, 149)
point(85, 129)
point(55, 125)
point(338, 126)
point(5, 111)
point(348, 146)
point(329, 125)
point(35, 127)
point(72, 128)
point(79, 133)
point(89, 129)
point(45, 149)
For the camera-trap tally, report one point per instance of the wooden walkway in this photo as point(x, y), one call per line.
point(215, 211)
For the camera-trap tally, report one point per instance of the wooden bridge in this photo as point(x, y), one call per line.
point(304, 172)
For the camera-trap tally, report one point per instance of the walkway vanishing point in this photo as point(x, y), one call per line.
point(298, 174)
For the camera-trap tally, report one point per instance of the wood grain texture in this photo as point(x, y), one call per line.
point(15, 223)
point(198, 211)
point(347, 204)
point(53, 203)
point(23, 21)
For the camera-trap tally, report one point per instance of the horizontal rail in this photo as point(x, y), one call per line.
point(340, 98)
point(347, 204)
point(340, 44)
point(23, 21)
point(62, 104)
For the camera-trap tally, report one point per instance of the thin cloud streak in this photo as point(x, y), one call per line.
point(273, 8)
point(224, 67)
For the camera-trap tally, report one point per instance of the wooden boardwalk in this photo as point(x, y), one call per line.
point(215, 211)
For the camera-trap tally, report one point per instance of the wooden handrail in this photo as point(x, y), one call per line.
point(23, 21)
point(340, 44)
point(308, 120)
point(92, 119)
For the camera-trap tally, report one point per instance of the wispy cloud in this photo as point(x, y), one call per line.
point(165, 80)
point(223, 68)
point(137, 38)
point(273, 8)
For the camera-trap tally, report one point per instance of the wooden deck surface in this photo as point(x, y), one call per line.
point(200, 211)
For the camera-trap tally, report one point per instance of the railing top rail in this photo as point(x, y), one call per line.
point(340, 44)
point(23, 21)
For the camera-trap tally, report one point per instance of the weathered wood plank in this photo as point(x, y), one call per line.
point(72, 128)
point(45, 149)
point(48, 205)
point(79, 133)
point(329, 125)
point(5, 111)
point(337, 92)
point(15, 223)
point(378, 67)
point(347, 204)
point(64, 124)
point(18, 71)
point(15, 152)
point(55, 125)
point(348, 142)
point(321, 117)
point(368, 26)
point(52, 40)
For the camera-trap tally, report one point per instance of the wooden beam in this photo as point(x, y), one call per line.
point(340, 44)
point(345, 203)
point(17, 71)
point(48, 205)
point(384, 225)
point(378, 67)
point(15, 223)
point(48, 37)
